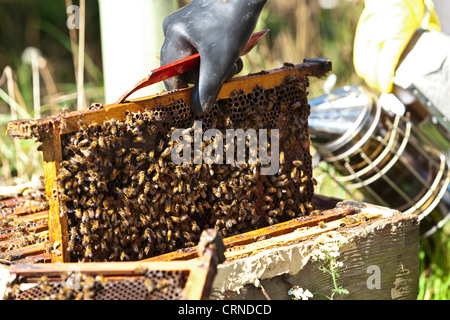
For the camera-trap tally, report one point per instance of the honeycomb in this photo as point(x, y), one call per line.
point(125, 199)
point(149, 285)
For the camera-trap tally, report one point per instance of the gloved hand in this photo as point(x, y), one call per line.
point(219, 30)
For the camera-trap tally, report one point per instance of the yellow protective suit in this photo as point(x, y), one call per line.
point(383, 31)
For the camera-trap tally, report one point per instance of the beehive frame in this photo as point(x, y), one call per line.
point(50, 130)
point(190, 280)
point(121, 280)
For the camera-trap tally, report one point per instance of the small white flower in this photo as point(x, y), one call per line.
point(336, 265)
point(307, 294)
point(318, 255)
point(299, 293)
point(335, 248)
point(334, 254)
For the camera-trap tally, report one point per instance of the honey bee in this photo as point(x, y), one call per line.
point(217, 192)
point(129, 192)
point(151, 168)
point(166, 152)
point(83, 143)
point(230, 223)
point(94, 225)
point(142, 199)
point(82, 125)
point(127, 158)
point(295, 105)
point(63, 124)
point(151, 155)
point(194, 226)
point(282, 183)
point(282, 204)
point(271, 190)
point(168, 207)
point(124, 256)
point(228, 121)
point(275, 212)
point(71, 246)
point(120, 152)
point(88, 251)
point(294, 174)
point(302, 208)
point(297, 163)
point(128, 118)
point(86, 152)
point(149, 285)
point(271, 220)
point(160, 145)
point(78, 213)
point(147, 188)
point(141, 177)
point(92, 189)
point(138, 139)
point(281, 157)
point(125, 223)
point(188, 236)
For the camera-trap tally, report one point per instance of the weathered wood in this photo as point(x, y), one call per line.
point(388, 245)
point(263, 233)
point(52, 156)
point(296, 236)
point(23, 251)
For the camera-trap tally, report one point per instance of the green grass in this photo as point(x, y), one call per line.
point(434, 282)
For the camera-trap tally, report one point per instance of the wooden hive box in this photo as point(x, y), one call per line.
point(265, 263)
point(113, 195)
point(24, 235)
point(379, 252)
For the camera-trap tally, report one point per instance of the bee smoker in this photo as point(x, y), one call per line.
point(386, 156)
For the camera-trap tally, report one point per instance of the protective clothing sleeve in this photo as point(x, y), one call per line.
point(383, 31)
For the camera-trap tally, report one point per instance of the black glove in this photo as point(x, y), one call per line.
point(219, 30)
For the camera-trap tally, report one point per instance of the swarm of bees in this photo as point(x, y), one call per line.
point(144, 285)
point(125, 199)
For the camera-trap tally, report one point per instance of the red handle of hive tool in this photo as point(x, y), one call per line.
point(182, 66)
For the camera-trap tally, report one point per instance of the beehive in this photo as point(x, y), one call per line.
point(115, 194)
point(24, 235)
point(119, 281)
